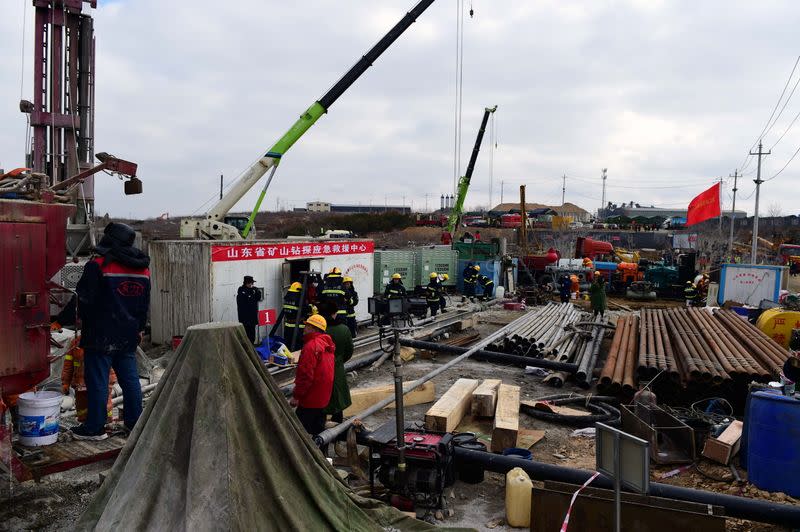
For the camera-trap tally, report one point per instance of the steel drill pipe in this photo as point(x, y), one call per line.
point(628, 384)
point(758, 337)
point(745, 360)
point(492, 356)
point(737, 507)
point(611, 360)
point(764, 358)
point(682, 352)
point(661, 359)
point(702, 351)
point(698, 368)
point(594, 353)
point(696, 336)
point(669, 355)
point(726, 358)
point(618, 376)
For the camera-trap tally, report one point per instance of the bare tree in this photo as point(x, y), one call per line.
point(774, 210)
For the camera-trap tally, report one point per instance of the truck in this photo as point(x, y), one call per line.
point(594, 249)
point(431, 220)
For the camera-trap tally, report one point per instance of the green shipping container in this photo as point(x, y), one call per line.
point(388, 262)
point(476, 250)
point(439, 259)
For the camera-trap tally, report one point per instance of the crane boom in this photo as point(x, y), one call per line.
point(463, 183)
point(214, 226)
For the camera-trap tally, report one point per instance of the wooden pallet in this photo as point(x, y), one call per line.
point(63, 455)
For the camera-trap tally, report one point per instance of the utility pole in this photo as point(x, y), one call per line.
point(757, 181)
point(220, 186)
point(426, 201)
point(502, 189)
point(563, 188)
point(735, 177)
point(603, 201)
point(523, 228)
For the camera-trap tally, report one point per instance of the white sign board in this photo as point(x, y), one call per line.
point(749, 284)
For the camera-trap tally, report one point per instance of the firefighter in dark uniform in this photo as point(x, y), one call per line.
point(395, 288)
point(470, 275)
point(433, 293)
point(443, 277)
point(247, 298)
point(690, 294)
point(333, 291)
point(488, 286)
point(291, 307)
point(350, 300)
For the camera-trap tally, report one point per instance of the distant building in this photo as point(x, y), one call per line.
point(322, 206)
point(536, 209)
point(632, 210)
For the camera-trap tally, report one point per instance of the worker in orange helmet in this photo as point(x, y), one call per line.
point(72, 377)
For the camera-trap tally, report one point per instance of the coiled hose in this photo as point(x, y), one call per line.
point(600, 407)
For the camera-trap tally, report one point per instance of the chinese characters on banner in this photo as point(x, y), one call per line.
point(288, 251)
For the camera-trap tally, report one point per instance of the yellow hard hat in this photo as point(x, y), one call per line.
point(434, 275)
point(396, 276)
point(317, 321)
point(477, 267)
point(347, 280)
point(295, 287)
point(445, 276)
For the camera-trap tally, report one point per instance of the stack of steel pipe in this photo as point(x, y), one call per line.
point(587, 358)
point(769, 355)
point(655, 351)
point(549, 334)
point(692, 350)
point(619, 368)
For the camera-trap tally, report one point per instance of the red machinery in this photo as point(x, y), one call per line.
point(588, 247)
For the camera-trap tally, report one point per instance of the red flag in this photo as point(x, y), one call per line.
point(704, 206)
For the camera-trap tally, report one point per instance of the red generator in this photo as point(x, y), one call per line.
point(429, 467)
point(32, 238)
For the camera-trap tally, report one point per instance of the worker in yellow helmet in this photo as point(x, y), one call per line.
point(433, 293)
point(350, 301)
point(293, 317)
point(313, 381)
point(443, 278)
point(470, 279)
point(395, 288)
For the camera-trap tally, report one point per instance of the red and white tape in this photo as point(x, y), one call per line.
point(572, 502)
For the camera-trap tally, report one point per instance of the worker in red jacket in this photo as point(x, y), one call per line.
point(313, 381)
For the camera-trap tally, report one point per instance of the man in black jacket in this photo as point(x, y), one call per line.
point(247, 298)
point(113, 299)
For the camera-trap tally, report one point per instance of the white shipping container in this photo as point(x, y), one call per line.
point(749, 284)
point(196, 281)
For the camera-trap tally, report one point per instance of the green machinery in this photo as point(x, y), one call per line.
point(217, 225)
point(463, 183)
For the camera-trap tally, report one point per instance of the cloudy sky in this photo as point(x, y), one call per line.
point(668, 95)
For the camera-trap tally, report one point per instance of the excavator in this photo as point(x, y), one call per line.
point(217, 224)
point(463, 184)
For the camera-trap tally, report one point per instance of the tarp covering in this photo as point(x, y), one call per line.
point(218, 448)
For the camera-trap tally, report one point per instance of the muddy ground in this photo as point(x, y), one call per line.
point(55, 503)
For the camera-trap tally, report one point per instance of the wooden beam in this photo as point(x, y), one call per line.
point(484, 398)
point(447, 412)
point(506, 418)
point(364, 398)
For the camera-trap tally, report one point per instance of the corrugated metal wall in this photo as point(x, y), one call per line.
point(181, 287)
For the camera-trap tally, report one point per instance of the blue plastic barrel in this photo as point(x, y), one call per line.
point(773, 452)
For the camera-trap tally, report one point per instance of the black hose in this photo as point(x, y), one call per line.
point(738, 507)
point(492, 356)
point(601, 410)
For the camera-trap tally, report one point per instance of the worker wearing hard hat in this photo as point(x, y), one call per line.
point(294, 312)
point(313, 381)
point(443, 278)
point(350, 301)
point(333, 290)
point(395, 288)
point(433, 293)
point(470, 275)
point(597, 294)
point(690, 294)
point(487, 284)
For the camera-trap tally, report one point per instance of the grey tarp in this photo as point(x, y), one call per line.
point(218, 448)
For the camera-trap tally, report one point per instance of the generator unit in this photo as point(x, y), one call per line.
point(429, 468)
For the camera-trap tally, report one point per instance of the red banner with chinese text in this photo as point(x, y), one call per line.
point(704, 206)
point(288, 250)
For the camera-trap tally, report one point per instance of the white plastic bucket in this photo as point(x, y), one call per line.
point(500, 293)
point(39, 414)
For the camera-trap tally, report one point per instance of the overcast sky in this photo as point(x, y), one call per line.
point(662, 93)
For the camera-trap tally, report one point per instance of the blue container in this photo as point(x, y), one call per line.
point(773, 449)
point(517, 452)
point(743, 440)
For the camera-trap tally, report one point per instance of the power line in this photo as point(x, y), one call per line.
point(786, 130)
point(784, 166)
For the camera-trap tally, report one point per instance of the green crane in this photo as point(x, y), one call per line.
point(463, 183)
point(217, 225)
